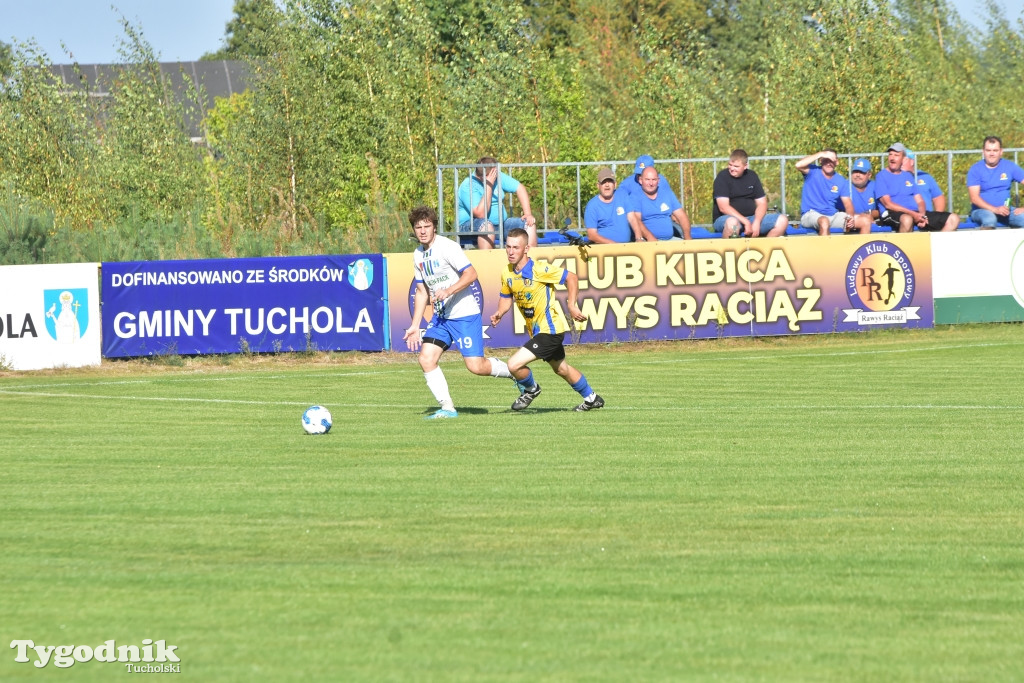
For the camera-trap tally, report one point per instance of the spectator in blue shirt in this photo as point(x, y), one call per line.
point(607, 215)
point(659, 207)
point(632, 185)
point(481, 204)
point(988, 184)
point(934, 199)
point(863, 193)
point(825, 199)
point(862, 196)
point(902, 206)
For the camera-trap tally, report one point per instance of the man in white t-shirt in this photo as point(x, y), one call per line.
point(446, 279)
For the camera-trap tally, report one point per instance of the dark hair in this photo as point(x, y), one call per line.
point(518, 232)
point(483, 164)
point(423, 213)
point(993, 138)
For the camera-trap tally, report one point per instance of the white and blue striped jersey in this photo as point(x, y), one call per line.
point(439, 267)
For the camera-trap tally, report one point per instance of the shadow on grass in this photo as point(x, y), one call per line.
point(532, 410)
point(461, 411)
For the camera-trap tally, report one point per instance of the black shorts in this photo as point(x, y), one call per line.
point(547, 346)
point(936, 220)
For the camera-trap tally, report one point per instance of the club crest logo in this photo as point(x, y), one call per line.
point(880, 284)
point(360, 274)
point(66, 313)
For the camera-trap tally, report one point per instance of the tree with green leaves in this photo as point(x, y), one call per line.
point(351, 107)
point(6, 63)
point(243, 35)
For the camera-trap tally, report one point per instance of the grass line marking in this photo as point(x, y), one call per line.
point(188, 399)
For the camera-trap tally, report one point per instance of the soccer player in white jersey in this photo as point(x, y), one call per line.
point(443, 278)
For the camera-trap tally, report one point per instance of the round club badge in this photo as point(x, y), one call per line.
point(880, 277)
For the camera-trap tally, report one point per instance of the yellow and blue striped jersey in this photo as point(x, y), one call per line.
point(532, 290)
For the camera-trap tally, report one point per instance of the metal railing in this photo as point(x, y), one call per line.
point(689, 180)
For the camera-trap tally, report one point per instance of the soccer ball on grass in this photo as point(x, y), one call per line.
point(316, 420)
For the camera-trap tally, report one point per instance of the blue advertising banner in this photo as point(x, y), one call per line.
point(292, 303)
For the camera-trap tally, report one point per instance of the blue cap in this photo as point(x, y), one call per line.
point(862, 165)
point(910, 155)
point(643, 162)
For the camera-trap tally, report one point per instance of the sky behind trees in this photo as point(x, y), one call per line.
point(185, 30)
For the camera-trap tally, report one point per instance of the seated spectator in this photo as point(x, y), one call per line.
point(988, 184)
point(934, 199)
point(902, 206)
point(658, 207)
point(632, 184)
point(740, 204)
point(481, 205)
point(863, 194)
point(825, 200)
point(607, 215)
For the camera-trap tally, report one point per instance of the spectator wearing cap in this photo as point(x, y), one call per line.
point(481, 205)
point(901, 205)
point(825, 200)
point(657, 205)
point(607, 215)
point(740, 205)
point(988, 184)
point(632, 184)
point(934, 199)
point(862, 194)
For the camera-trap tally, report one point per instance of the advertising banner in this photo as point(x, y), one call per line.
point(294, 303)
point(978, 276)
point(703, 289)
point(49, 316)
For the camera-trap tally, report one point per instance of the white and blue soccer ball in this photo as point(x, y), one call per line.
point(316, 420)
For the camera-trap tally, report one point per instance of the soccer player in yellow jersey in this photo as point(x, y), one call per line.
point(531, 285)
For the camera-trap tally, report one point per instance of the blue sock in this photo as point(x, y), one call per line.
point(583, 387)
point(529, 382)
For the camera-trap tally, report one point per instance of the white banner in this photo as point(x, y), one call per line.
point(49, 316)
point(898, 316)
point(979, 263)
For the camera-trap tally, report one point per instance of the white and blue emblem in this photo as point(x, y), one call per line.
point(360, 274)
point(67, 313)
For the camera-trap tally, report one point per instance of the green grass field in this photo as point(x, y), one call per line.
point(832, 508)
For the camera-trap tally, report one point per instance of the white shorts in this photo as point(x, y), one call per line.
point(810, 220)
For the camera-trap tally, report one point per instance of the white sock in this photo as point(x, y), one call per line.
point(499, 368)
point(438, 386)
